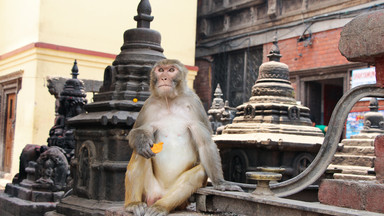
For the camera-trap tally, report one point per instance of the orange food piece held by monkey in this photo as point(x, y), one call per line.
point(157, 147)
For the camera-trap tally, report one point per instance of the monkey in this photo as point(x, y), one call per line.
point(156, 184)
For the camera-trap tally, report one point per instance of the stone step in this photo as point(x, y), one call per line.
point(354, 177)
point(358, 150)
point(357, 142)
point(356, 170)
point(353, 160)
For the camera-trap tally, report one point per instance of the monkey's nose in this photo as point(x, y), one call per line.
point(164, 78)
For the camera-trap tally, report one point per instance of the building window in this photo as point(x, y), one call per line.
point(236, 72)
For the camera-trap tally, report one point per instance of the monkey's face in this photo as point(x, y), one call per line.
point(166, 76)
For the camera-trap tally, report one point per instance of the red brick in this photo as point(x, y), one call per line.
point(366, 195)
point(379, 146)
point(375, 198)
point(340, 193)
point(379, 169)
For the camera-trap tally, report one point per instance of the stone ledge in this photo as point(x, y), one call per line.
point(248, 204)
point(12, 206)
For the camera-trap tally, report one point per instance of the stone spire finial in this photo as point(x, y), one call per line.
point(373, 105)
point(218, 93)
point(274, 53)
point(144, 17)
point(218, 101)
point(75, 70)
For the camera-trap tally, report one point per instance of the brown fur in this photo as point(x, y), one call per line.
point(156, 184)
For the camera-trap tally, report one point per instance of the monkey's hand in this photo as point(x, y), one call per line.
point(141, 140)
point(137, 208)
point(223, 185)
point(156, 210)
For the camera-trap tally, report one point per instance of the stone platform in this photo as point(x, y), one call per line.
point(237, 203)
point(13, 206)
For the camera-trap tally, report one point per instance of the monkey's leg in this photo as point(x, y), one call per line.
point(137, 172)
point(180, 191)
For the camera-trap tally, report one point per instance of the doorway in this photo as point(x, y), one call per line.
point(322, 97)
point(9, 87)
point(9, 131)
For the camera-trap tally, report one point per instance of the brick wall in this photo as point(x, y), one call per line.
point(363, 106)
point(322, 52)
point(203, 82)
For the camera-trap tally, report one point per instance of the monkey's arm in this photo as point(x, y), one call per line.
point(208, 153)
point(141, 137)
point(210, 157)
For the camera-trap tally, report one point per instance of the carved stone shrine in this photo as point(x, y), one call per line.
point(44, 173)
point(271, 129)
point(220, 113)
point(102, 151)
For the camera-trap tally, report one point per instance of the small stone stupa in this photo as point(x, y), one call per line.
point(271, 129)
point(373, 120)
point(102, 151)
point(220, 113)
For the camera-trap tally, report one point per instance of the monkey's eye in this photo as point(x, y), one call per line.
point(171, 69)
point(161, 70)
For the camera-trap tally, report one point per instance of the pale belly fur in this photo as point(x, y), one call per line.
point(178, 154)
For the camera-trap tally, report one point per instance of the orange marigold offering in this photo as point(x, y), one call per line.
point(157, 147)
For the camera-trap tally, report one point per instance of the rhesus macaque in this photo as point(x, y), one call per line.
point(155, 184)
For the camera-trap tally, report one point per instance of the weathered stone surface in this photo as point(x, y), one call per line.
point(379, 146)
point(362, 39)
point(357, 142)
point(13, 206)
point(357, 160)
point(362, 195)
point(209, 200)
point(379, 161)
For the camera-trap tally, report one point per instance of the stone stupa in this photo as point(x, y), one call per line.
point(271, 129)
point(102, 151)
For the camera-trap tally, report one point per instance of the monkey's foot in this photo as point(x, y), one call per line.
point(156, 211)
point(226, 186)
point(137, 208)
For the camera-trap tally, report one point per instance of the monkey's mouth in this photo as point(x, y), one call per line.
point(164, 85)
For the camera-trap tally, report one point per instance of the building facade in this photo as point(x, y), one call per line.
point(234, 38)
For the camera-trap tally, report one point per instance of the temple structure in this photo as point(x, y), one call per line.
point(102, 151)
point(271, 129)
